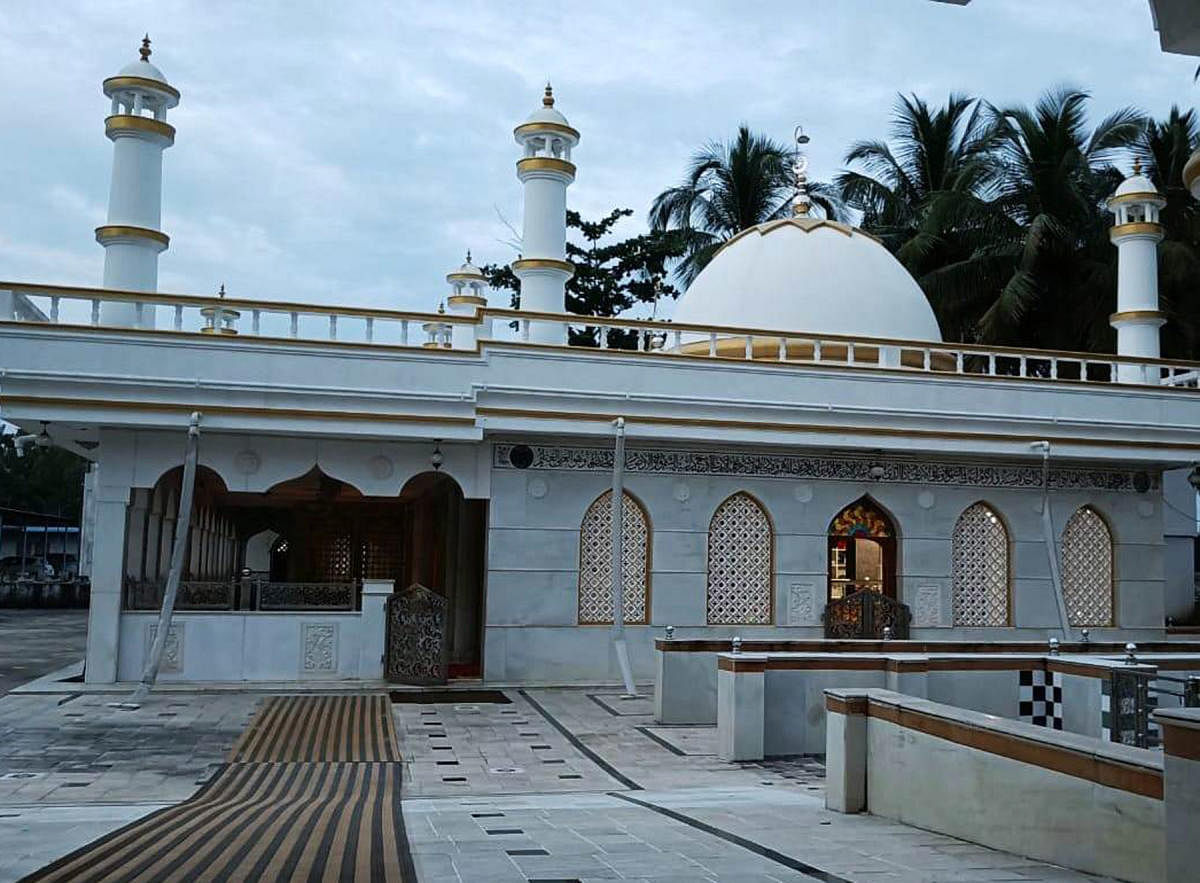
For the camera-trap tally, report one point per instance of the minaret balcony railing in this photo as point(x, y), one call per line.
point(232, 321)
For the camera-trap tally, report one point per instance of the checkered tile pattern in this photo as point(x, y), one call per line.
point(1041, 699)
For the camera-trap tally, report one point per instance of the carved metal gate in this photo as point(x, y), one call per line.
point(865, 614)
point(416, 650)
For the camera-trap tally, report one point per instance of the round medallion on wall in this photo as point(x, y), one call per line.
point(381, 467)
point(1145, 508)
point(803, 492)
point(682, 492)
point(247, 462)
point(926, 499)
point(537, 488)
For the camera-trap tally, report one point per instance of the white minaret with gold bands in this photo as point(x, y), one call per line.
point(468, 295)
point(1136, 232)
point(131, 236)
point(546, 170)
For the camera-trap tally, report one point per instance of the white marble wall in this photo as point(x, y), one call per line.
point(533, 554)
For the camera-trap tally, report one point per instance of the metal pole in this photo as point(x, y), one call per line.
point(618, 558)
point(150, 675)
point(1048, 534)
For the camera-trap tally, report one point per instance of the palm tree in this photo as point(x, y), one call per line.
point(924, 193)
point(1163, 148)
point(1055, 176)
point(728, 187)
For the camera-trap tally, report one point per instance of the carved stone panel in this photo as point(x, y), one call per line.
point(927, 612)
point(172, 659)
point(803, 608)
point(417, 650)
point(320, 648)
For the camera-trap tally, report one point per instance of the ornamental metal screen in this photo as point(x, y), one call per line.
point(417, 650)
point(739, 563)
point(1087, 569)
point(979, 572)
point(595, 561)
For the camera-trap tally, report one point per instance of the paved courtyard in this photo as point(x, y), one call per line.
point(36, 642)
point(552, 784)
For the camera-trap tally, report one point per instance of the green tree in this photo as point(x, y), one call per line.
point(727, 188)
point(925, 192)
point(48, 481)
point(610, 276)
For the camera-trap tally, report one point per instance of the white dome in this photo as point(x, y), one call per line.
point(143, 69)
point(547, 115)
point(809, 275)
point(1136, 184)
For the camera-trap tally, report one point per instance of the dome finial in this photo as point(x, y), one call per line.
point(548, 98)
point(801, 204)
point(1137, 165)
point(468, 255)
point(221, 290)
point(145, 50)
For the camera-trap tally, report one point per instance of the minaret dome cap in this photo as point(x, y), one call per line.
point(142, 67)
point(546, 113)
point(1137, 187)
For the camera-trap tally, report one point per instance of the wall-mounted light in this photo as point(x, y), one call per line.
point(437, 457)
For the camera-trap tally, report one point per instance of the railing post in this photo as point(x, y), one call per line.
point(95, 311)
point(8, 306)
point(850, 353)
point(991, 364)
point(1053, 368)
point(333, 326)
point(294, 330)
point(370, 329)
point(926, 358)
point(678, 341)
point(816, 350)
point(54, 302)
point(178, 317)
point(603, 337)
point(783, 349)
point(1191, 692)
point(256, 322)
point(749, 346)
point(712, 344)
point(1022, 367)
point(404, 332)
point(958, 362)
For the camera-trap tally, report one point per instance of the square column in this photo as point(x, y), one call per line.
point(741, 681)
point(108, 572)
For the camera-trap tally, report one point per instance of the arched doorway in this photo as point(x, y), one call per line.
point(435, 618)
point(862, 551)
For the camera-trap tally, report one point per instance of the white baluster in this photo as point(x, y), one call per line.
point(333, 326)
point(749, 346)
point(678, 341)
point(95, 311)
point(640, 340)
point(1023, 367)
point(1083, 369)
point(54, 300)
point(294, 330)
point(1053, 368)
point(958, 362)
point(370, 329)
point(178, 317)
point(603, 337)
point(404, 332)
point(783, 349)
point(816, 350)
point(712, 343)
point(525, 325)
point(926, 358)
point(991, 364)
point(256, 322)
point(850, 353)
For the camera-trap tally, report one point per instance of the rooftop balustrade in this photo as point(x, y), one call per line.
point(237, 319)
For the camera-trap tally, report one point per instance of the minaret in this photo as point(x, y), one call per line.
point(546, 170)
point(131, 236)
point(468, 294)
point(1136, 232)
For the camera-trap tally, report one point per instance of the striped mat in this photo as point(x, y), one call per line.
point(312, 793)
point(338, 728)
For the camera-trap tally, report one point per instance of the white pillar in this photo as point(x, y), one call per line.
point(545, 171)
point(130, 235)
point(108, 571)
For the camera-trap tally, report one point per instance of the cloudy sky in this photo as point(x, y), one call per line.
point(349, 152)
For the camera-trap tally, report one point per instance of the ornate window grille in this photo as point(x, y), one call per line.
point(740, 544)
point(980, 568)
point(595, 561)
point(1087, 569)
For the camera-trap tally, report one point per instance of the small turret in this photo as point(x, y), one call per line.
point(1136, 232)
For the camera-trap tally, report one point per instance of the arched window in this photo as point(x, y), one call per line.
point(1087, 569)
point(862, 551)
point(595, 561)
point(979, 568)
point(740, 544)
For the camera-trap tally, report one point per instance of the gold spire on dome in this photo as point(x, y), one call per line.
point(468, 255)
point(1137, 165)
point(145, 50)
point(221, 290)
point(801, 204)
point(548, 98)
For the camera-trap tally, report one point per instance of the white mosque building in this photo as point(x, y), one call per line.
point(428, 496)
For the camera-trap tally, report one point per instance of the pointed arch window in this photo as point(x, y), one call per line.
point(740, 563)
point(595, 561)
point(1087, 569)
point(980, 568)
